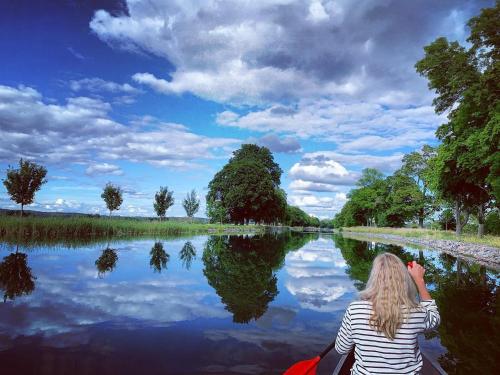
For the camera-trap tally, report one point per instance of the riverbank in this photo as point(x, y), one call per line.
point(39, 228)
point(485, 251)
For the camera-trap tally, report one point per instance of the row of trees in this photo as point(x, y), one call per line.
point(164, 199)
point(22, 183)
point(463, 172)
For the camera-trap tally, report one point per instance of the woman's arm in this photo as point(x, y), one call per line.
point(432, 317)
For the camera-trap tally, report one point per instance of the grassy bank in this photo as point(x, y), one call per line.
point(48, 228)
point(428, 234)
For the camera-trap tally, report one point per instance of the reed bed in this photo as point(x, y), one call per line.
point(33, 229)
point(429, 234)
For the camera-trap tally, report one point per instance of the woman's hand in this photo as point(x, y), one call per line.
point(416, 271)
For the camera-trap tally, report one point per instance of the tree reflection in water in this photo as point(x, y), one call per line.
point(16, 278)
point(106, 262)
point(467, 297)
point(159, 257)
point(187, 254)
point(242, 270)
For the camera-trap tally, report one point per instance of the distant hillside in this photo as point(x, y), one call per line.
point(7, 212)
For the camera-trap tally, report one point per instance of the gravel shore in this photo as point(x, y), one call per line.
point(485, 255)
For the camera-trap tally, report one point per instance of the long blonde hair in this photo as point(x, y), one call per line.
point(391, 290)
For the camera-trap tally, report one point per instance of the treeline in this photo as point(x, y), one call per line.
point(246, 190)
point(462, 174)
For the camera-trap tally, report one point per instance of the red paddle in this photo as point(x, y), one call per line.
point(309, 366)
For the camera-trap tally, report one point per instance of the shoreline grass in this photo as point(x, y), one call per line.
point(428, 234)
point(54, 227)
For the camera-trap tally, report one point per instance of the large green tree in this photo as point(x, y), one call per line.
point(416, 165)
point(247, 187)
point(24, 182)
point(467, 83)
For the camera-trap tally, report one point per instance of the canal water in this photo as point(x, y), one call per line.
point(218, 305)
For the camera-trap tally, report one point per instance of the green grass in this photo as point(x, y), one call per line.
point(28, 229)
point(428, 234)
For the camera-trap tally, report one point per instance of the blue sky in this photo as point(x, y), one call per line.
point(159, 93)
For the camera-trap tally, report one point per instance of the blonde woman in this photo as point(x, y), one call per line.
point(384, 323)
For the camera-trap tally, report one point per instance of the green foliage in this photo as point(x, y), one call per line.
point(23, 183)
point(248, 187)
point(466, 82)
point(106, 262)
point(369, 177)
point(191, 203)
point(163, 201)
point(113, 197)
point(447, 220)
point(159, 257)
point(492, 223)
point(417, 165)
point(216, 212)
point(16, 278)
point(295, 217)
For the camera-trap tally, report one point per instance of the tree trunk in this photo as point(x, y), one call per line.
point(22, 209)
point(480, 219)
point(421, 218)
point(109, 213)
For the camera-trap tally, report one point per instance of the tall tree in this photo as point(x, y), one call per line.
point(191, 203)
point(23, 183)
point(417, 166)
point(163, 201)
point(467, 85)
point(113, 197)
point(248, 187)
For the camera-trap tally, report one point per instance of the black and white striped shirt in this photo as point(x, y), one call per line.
point(376, 354)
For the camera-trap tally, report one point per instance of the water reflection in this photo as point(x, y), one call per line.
point(187, 254)
point(159, 257)
point(16, 278)
point(290, 291)
point(242, 270)
point(468, 302)
point(106, 262)
point(242, 274)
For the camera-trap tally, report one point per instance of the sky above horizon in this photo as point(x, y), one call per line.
point(150, 93)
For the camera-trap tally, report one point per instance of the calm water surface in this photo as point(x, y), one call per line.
point(217, 305)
